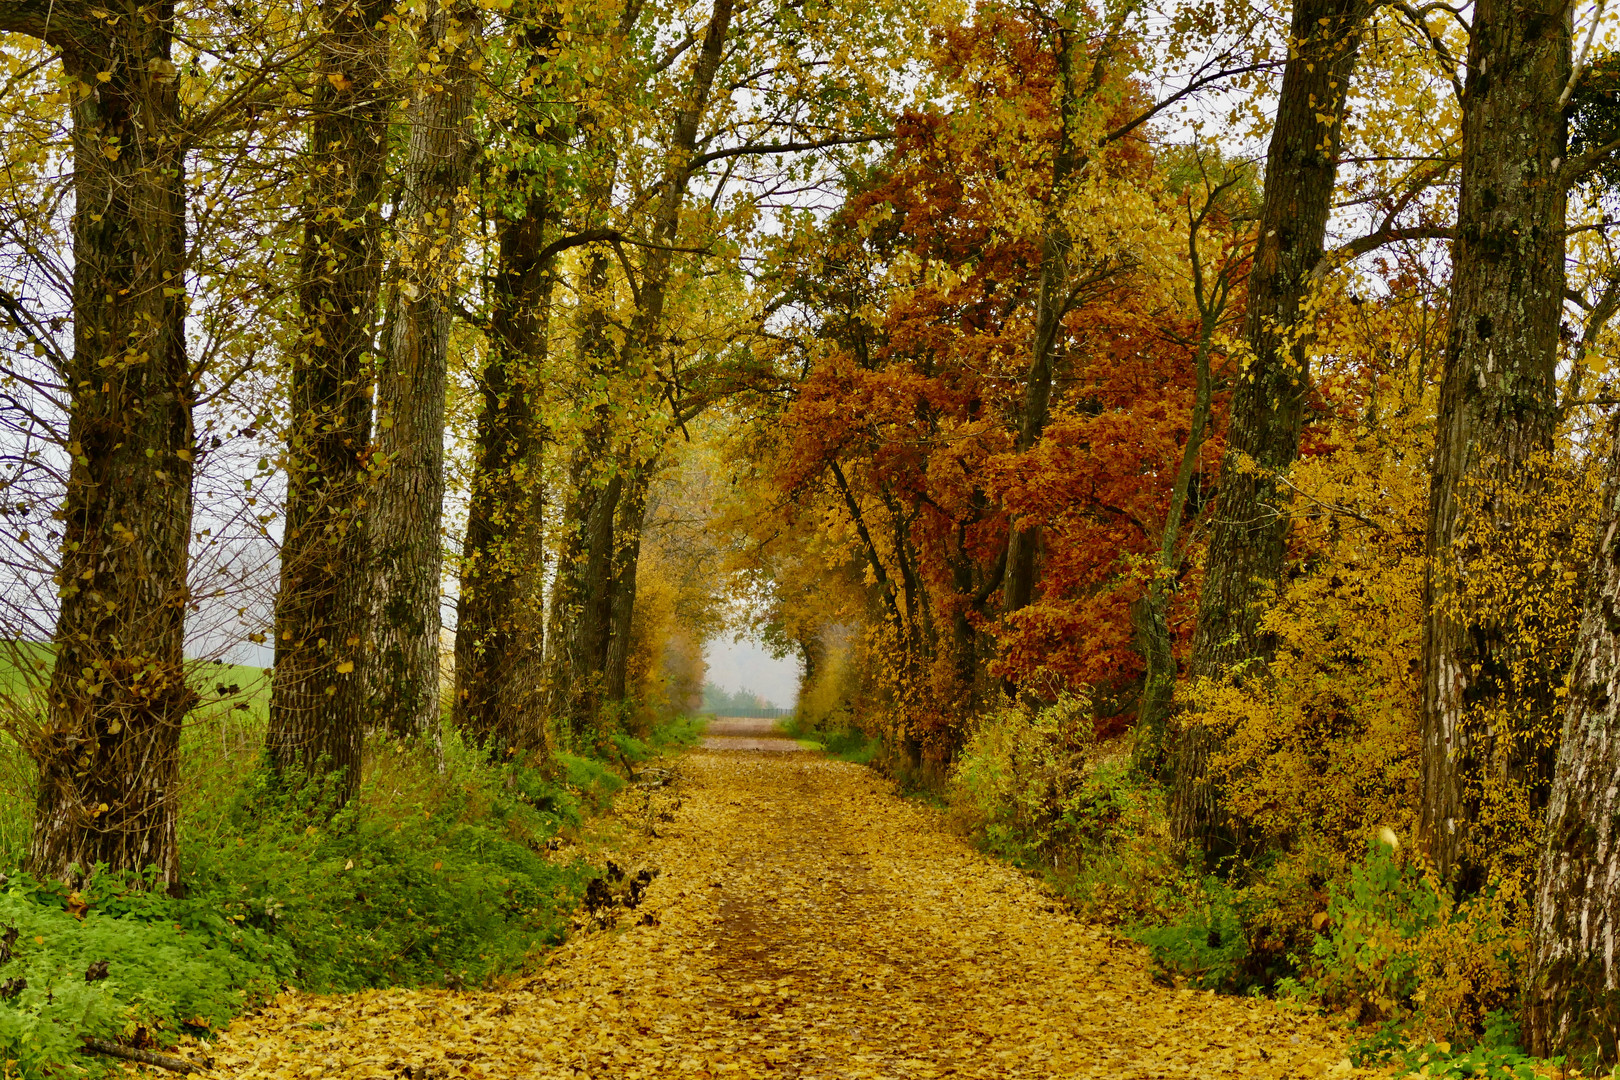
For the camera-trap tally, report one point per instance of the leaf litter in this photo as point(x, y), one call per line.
point(804, 922)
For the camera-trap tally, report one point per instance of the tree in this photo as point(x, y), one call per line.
point(408, 500)
point(1247, 540)
point(1497, 417)
point(320, 702)
point(1572, 1003)
point(500, 620)
point(1212, 293)
point(107, 752)
point(1059, 287)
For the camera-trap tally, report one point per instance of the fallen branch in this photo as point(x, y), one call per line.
point(145, 1057)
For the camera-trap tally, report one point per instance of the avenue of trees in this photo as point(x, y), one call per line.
point(1243, 374)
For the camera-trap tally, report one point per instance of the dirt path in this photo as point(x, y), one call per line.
point(805, 923)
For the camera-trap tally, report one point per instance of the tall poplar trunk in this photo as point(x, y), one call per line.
point(107, 752)
point(319, 701)
point(499, 613)
point(594, 622)
point(1249, 531)
point(1572, 1004)
point(626, 561)
point(572, 666)
point(408, 504)
point(1498, 396)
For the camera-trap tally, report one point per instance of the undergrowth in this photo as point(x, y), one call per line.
point(1429, 978)
point(443, 871)
point(837, 735)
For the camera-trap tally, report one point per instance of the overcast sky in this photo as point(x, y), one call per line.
point(745, 665)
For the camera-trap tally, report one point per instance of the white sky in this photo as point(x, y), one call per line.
point(745, 665)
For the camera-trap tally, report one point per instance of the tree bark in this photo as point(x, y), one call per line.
point(1498, 396)
point(1573, 999)
point(626, 560)
point(1248, 535)
point(499, 612)
point(408, 505)
point(107, 751)
point(319, 702)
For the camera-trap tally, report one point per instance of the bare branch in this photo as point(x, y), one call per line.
point(785, 148)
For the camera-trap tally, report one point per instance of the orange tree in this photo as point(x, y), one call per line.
point(910, 314)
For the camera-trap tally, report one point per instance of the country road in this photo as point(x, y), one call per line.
point(805, 923)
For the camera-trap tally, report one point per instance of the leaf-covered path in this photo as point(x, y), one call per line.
point(805, 923)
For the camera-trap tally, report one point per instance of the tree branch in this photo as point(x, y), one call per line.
point(1384, 237)
point(784, 148)
point(1191, 88)
point(145, 1057)
point(607, 236)
point(61, 24)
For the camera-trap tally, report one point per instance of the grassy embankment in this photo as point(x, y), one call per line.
point(441, 872)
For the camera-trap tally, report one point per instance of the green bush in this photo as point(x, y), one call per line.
point(131, 960)
point(1400, 949)
point(835, 734)
point(1206, 945)
point(1497, 1055)
point(1033, 787)
point(424, 878)
point(595, 782)
point(677, 731)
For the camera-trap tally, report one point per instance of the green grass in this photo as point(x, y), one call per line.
point(845, 744)
point(438, 873)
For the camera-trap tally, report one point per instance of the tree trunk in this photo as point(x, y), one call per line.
point(1051, 304)
point(627, 556)
point(1248, 537)
point(499, 614)
point(1573, 999)
point(108, 750)
point(568, 667)
point(410, 390)
point(1499, 403)
point(595, 621)
point(319, 703)
point(1152, 612)
point(1498, 397)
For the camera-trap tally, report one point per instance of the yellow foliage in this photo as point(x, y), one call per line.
point(1325, 750)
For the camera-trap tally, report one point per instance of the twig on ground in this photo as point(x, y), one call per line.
point(145, 1057)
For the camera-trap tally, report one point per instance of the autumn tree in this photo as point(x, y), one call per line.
point(700, 129)
point(500, 620)
point(408, 503)
point(1572, 1003)
point(1212, 199)
point(1497, 416)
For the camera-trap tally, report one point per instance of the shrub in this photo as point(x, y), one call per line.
point(128, 964)
point(1030, 787)
point(426, 877)
point(1401, 950)
point(1206, 945)
point(594, 781)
